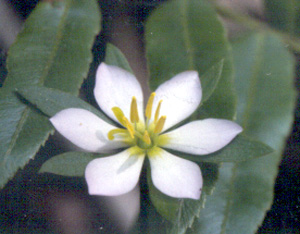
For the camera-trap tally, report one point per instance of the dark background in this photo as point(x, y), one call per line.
point(37, 197)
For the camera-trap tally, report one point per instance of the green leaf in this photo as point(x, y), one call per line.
point(68, 164)
point(15, 135)
point(52, 50)
point(49, 101)
point(264, 80)
point(210, 80)
point(187, 35)
point(114, 56)
point(240, 149)
point(284, 15)
point(182, 212)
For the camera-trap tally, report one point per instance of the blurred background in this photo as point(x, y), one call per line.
point(33, 203)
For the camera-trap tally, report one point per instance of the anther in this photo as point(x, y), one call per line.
point(113, 132)
point(119, 114)
point(129, 126)
point(149, 106)
point(134, 115)
point(157, 112)
point(160, 124)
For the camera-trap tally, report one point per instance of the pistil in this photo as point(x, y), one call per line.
point(146, 138)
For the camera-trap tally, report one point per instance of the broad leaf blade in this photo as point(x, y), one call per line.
point(268, 117)
point(187, 35)
point(68, 164)
point(53, 50)
point(266, 100)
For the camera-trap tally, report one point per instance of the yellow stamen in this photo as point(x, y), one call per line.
point(157, 112)
point(160, 124)
point(134, 115)
point(113, 132)
point(119, 114)
point(129, 126)
point(146, 138)
point(149, 106)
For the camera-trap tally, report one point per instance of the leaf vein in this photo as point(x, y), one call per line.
point(58, 37)
point(187, 34)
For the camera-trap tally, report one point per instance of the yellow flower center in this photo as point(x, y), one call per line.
point(145, 136)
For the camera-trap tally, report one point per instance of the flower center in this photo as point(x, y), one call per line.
point(145, 136)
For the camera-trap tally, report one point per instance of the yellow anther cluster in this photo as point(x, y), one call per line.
point(144, 136)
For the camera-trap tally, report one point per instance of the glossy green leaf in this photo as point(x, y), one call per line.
point(52, 50)
point(240, 149)
point(284, 15)
point(68, 164)
point(49, 101)
point(17, 139)
point(187, 35)
point(114, 56)
point(264, 80)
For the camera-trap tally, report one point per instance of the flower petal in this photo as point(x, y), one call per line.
point(202, 136)
point(181, 96)
point(114, 175)
point(174, 176)
point(85, 130)
point(115, 87)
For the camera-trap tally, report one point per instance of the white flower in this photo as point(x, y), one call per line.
point(120, 96)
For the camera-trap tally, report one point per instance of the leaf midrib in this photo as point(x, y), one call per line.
point(246, 116)
point(183, 8)
point(57, 40)
point(51, 60)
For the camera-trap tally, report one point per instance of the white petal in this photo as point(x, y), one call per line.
point(114, 175)
point(175, 176)
point(85, 130)
point(181, 96)
point(203, 136)
point(115, 87)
